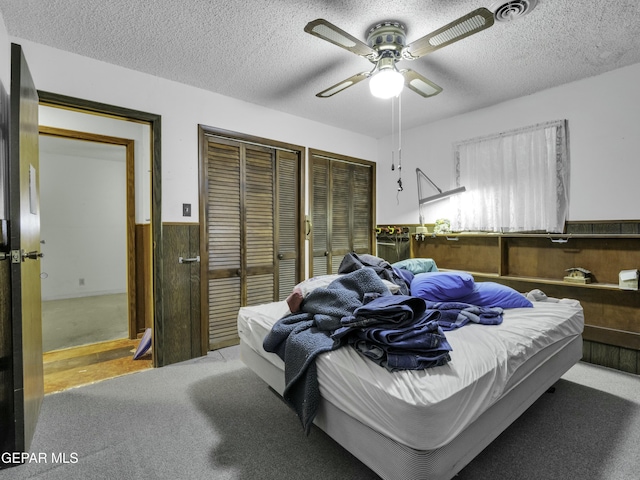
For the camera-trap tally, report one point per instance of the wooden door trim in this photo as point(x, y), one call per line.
point(129, 145)
point(155, 123)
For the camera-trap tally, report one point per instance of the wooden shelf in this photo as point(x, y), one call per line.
point(551, 281)
point(529, 261)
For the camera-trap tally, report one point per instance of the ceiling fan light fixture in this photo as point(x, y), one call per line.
point(386, 46)
point(386, 83)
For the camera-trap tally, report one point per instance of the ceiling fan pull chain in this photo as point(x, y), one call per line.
point(393, 134)
point(400, 142)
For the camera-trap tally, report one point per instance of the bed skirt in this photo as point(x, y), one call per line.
point(394, 461)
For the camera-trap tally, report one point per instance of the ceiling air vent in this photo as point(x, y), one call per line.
point(512, 10)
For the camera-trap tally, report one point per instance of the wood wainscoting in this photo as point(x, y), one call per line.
point(180, 333)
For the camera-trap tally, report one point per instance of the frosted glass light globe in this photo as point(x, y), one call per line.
point(386, 83)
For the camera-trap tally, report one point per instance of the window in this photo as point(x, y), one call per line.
point(516, 181)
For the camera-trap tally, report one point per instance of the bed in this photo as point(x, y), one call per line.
point(430, 423)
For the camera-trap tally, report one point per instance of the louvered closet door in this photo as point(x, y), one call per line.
point(253, 228)
point(342, 197)
point(320, 215)
point(288, 232)
point(259, 226)
point(363, 222)
point(224, 246)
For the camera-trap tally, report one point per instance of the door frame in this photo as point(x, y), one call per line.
point(130, 206)
point(154, 121)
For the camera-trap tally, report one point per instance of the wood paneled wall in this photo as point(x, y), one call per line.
point(620, 358)
point(181, 330)
point(606, 343)
point(611, 356)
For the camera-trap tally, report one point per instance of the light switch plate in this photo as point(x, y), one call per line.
point(186, 209)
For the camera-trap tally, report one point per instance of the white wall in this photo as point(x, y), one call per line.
point(83, 224)
point(604, 122)
point(138, 132)
point(182, 108)
point(604, 136)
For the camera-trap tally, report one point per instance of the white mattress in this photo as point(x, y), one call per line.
point(487, 361)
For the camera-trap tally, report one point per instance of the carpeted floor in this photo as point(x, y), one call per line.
point(212, 418)
point(84, 320)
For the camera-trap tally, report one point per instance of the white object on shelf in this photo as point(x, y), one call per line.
point(628, 279)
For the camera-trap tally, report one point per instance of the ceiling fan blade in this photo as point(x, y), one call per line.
point(340, 86)
point(420, 84)
point(469, 24)
point(329, 32)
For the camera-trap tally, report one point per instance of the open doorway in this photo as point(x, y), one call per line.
point(98, 266)
point(85, 291)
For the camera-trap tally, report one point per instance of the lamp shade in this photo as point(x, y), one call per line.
point(386, 83)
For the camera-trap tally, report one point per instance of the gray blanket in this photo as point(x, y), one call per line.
point(299, 338)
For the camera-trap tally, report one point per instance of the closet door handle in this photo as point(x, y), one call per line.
point(189, 260)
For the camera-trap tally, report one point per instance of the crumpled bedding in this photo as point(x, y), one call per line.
point(426, 409)
point(396, 331)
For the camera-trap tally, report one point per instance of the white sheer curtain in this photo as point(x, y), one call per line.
point(516, 181)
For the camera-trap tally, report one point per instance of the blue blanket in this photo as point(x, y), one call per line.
point(398, 333)
point(454, 315)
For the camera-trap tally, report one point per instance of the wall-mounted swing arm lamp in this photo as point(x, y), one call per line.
point(438, 196)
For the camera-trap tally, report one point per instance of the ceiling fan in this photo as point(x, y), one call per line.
point(386, 46)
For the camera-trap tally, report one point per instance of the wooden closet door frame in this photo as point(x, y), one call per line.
point(203, 133)
point(334, 157)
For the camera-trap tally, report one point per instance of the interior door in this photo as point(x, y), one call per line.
point(24, 241)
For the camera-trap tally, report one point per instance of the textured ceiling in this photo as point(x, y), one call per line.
point(259, 53)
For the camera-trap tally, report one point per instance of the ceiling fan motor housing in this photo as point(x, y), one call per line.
point(387, 37)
